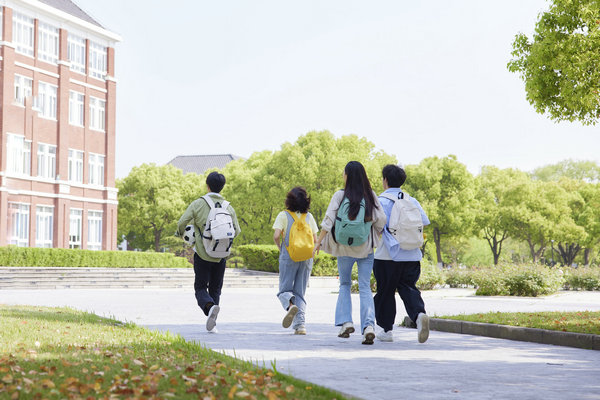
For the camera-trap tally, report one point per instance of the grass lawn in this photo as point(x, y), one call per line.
point(60, 353)
point(579, 321)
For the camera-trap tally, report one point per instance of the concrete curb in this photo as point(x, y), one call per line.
point(544, 336)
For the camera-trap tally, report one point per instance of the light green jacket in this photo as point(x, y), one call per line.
point(196, 215)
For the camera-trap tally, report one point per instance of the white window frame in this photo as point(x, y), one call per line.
point(75, 164)
point(94, 230)
point(23, 32)
point(23, 89)
point(44, 226)
point(48, 43)
point(47, 100)
point(97, 114)
point(98, 60)
point(46, 158)
point(18, 154)
point(75, 227)
point(96, 168)
point(18, 229)
point(76, 108)
point(1, 23)
point(76, 53)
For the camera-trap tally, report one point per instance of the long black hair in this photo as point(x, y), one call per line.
point(357, 188)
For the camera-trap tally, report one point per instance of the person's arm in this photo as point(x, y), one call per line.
point(277, 238)
point(318, 241)
point(186, 218)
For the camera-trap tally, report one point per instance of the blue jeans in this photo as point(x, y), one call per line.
point(293, 278)
point(343, 308)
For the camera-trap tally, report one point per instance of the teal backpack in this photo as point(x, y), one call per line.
point(351, 232)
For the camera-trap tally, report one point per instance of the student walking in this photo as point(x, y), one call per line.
point(299, 230)
point(215, 225)
point(397, 265)
point(349, 231)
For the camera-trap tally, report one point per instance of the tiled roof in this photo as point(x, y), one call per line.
point(71, 8)
point(201, 163)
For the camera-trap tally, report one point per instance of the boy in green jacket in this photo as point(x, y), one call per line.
point(208, 271)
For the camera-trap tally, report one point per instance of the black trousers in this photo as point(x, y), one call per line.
point(392, 276)
point(208, 281)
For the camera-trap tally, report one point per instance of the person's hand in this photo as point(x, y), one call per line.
point(317, 248)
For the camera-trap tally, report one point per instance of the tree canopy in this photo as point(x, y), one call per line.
point(561, 63)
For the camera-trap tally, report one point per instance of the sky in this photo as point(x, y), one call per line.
point(416, 78)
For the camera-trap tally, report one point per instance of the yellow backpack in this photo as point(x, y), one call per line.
point(301, 241)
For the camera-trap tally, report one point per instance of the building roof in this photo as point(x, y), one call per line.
point(71, 8)
point(199, 164)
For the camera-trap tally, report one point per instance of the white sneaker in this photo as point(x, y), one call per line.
point(422, 327)
point(368, 335)
point(211, 322)
point(301, 330)
point(289, 317)
point(214, 330)
point(346, 330)
point(385, 336)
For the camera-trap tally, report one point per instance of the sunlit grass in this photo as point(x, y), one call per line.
point(579, 321)
point(51, 353)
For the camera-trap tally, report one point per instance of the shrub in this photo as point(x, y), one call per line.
point(582, 278)
point(459, 278)
point(430, 277)
point(517, 280)
point(12, 256)
point(265, 257)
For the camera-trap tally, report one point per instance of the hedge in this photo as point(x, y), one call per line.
point(265, 257)
point(12, 256)
point(518, 280)
point(586, 278)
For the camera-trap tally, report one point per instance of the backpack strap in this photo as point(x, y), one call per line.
point(389, 196)
point(211, 203)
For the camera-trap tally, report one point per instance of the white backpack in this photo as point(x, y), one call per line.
point(219, 230)
point(405, 224)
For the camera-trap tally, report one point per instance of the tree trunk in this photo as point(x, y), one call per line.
point(495, 244)
point(437, 238)
point(586, 256)
point(568, 252)
point(157, 234)
point(535, 254)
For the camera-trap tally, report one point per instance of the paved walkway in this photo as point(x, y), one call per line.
point(448, 366)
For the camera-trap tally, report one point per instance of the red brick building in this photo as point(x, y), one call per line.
point(57, 127)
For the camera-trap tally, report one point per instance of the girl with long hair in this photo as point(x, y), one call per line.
point(350, 231)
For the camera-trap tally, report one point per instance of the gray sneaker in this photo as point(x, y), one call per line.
point(423, 327)
point(368, 335)
point(289, 317)
point(346, 330)
point(211, 322)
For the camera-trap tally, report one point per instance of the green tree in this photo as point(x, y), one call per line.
point(257, 187)
point(561, 63)
point(446, 190)
point(587, 171)
point(494, 209)
point(151, 200)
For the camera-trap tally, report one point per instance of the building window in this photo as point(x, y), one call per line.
point(19, 155)
point(44, 218)
point(97, 114)
point(97, 60)
point(46, 100)
point(47, 43)
point(18, 224)
point(76, 53)
point(46, 158)
point(23, 88)
point(94, 230)
point(23, 34)
point(76, 108)
point(75, 218)
point(75, 166)
point(96, 169)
